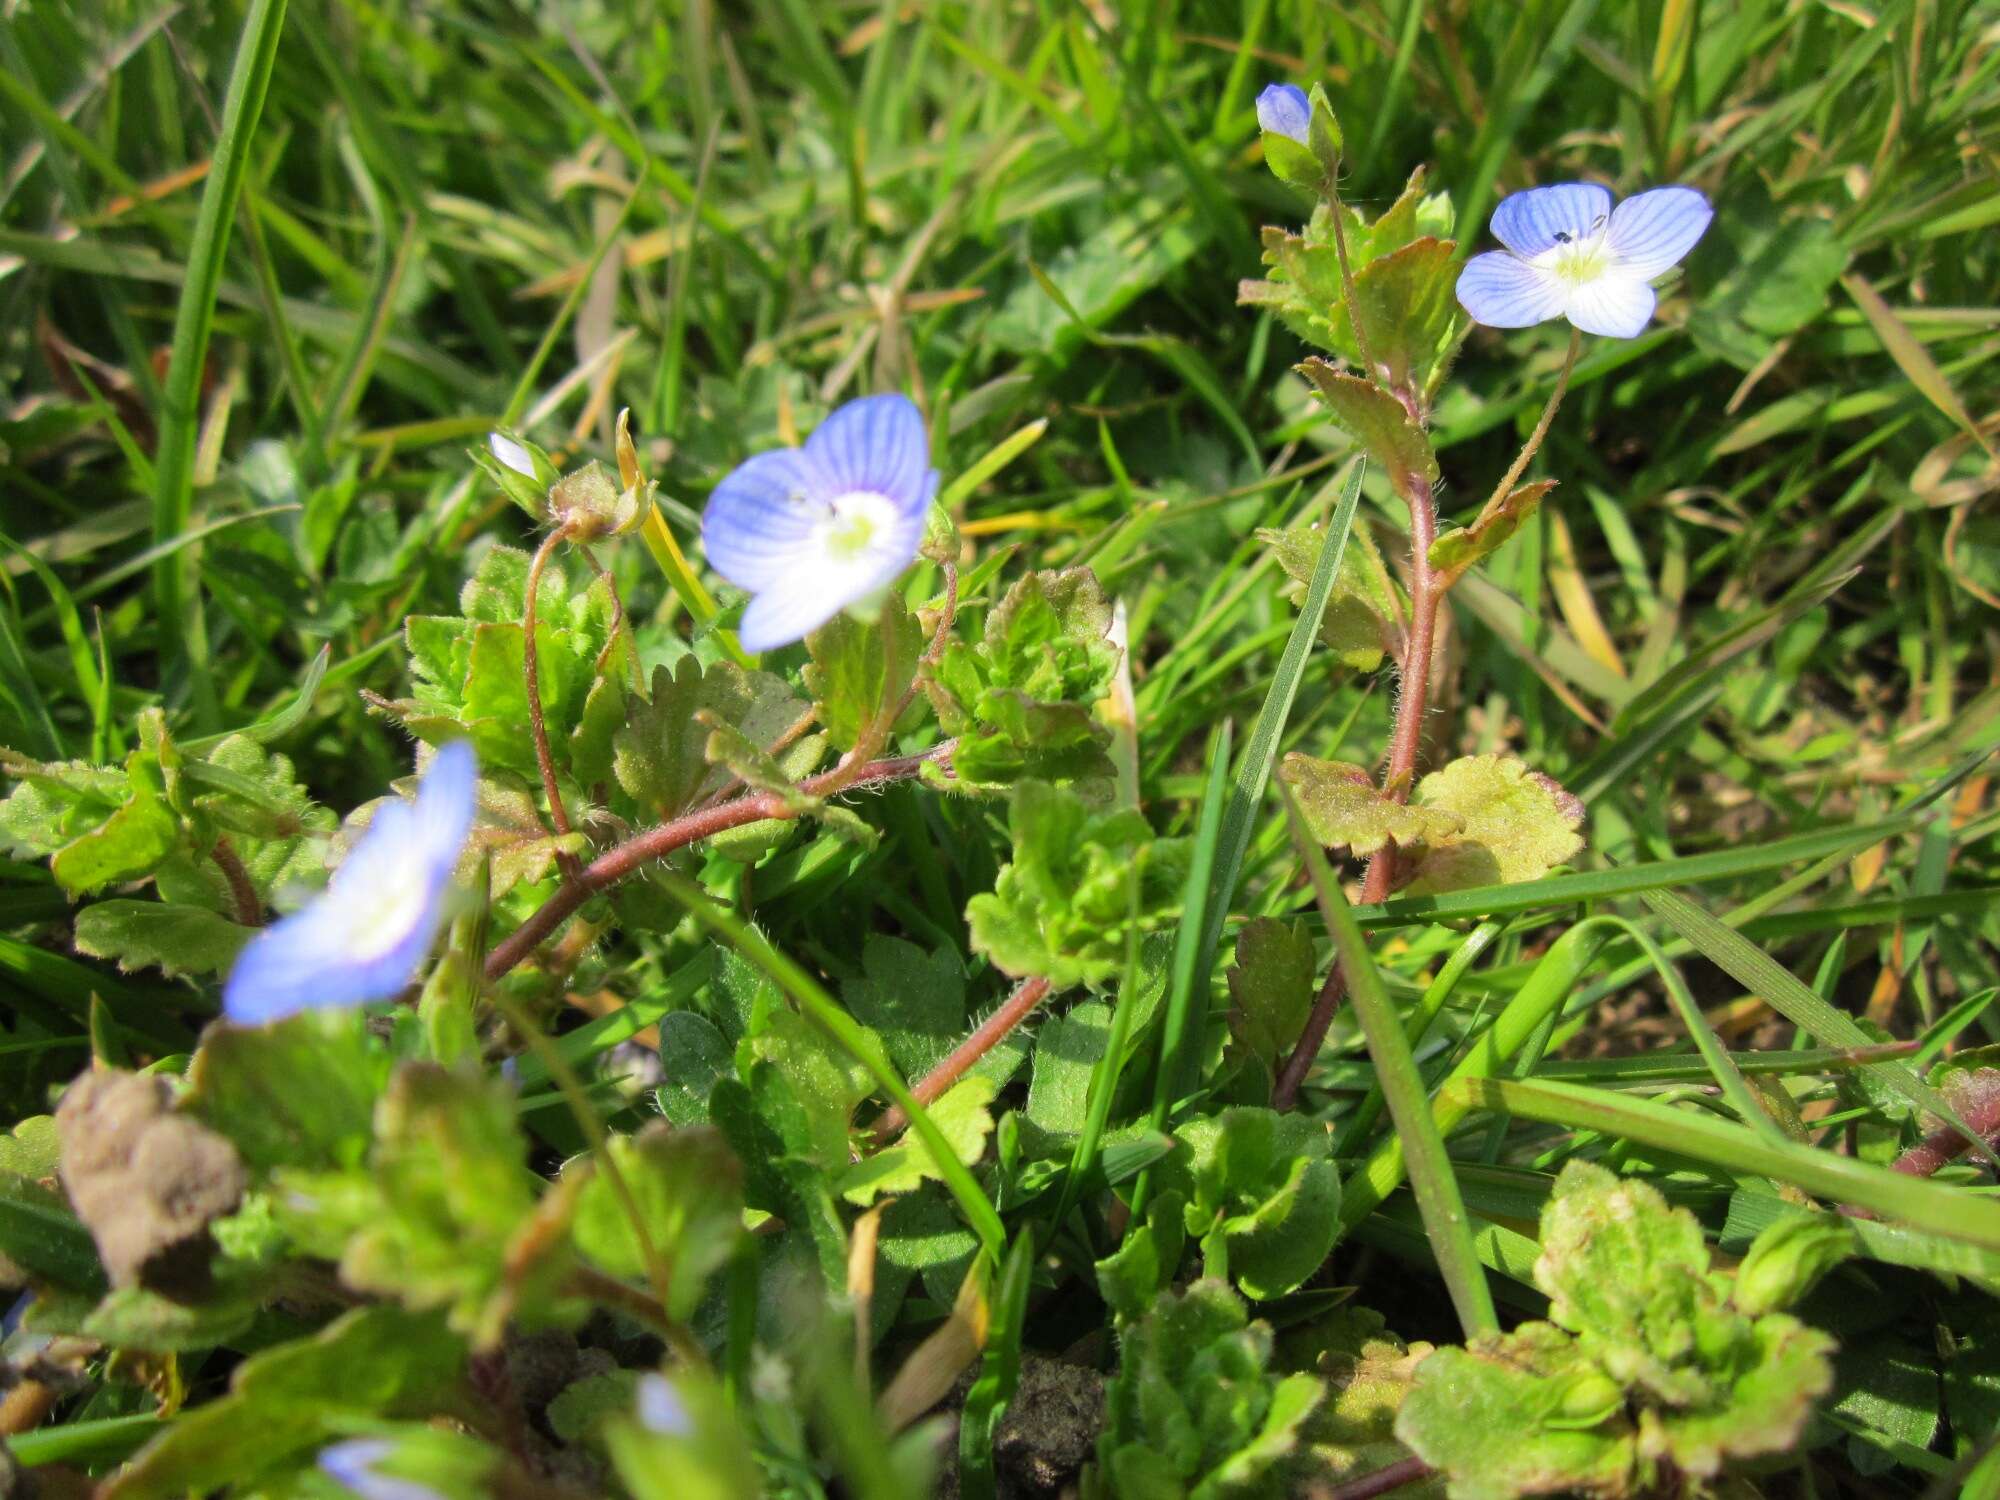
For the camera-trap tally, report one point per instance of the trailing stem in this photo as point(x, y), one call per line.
point(989, 1034)
point(242, 890)
point(641, 849)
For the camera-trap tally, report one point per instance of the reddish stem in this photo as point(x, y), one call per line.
point(1403, 1471)
point(1405, 744)
point(532, 685)
point(242, 889)
point(1942, 1146)
point(615, 864)
point(1027, 995)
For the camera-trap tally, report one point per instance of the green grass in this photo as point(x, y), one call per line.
point(247, 349)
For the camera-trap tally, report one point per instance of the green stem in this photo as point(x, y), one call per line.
point(1542, 424)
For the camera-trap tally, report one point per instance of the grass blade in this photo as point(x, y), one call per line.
point(1431, 1176)
point(180, 416)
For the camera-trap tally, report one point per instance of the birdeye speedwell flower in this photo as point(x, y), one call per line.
point(363, 937)
point(1283, 109)
point(1570, 254)
point(809, 531)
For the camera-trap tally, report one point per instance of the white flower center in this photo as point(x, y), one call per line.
point(378, 912)
point(853, 522)
point(1577, 261)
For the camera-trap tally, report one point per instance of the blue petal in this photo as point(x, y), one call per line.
point(781, 616)
point(351, 1465)
point(306, 962)
point(760, 517)
point(1529, 223)
point(323, 955)
point(878, 444)
point(1616, 306)
point(1503, 291)
point(1284, 109)
point(1652, 231)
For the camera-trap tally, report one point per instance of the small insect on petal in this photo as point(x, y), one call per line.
point(1283, 109)
point(511, 453)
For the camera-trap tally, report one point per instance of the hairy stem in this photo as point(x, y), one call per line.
point(1942, 1146)
point(1534, 443)
point(641, 849)
point(242, 890)
point(532, 686)
point(1012, 1012)
point(1405, 744)
point(1339, 217)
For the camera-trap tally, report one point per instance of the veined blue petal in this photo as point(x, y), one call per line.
point(1542, 218)
point(876, 444)
point(1616, 305)
point(1652, 231)
point(363, 938)
point(1503, 291)
point(1284, 109)
point(820, 584)
point(767, 509)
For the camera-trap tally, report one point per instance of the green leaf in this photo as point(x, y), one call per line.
point(1515, 825)
point(133, 1318)
point(1344, 809)
point(660, 756)
point(125, 846)
point(1271, 986)
point(1148, 1259)
point(1406, 303)
point(861, 669)
point(1062, 907)
point(687, 1189)
point(1067, 1048)
point(915, 1001)
point(729, 747)
point(435, 1220)
point(1526, 1413)
point(961, 1113)
point(39, 1234)
point(288, 1401)
point(694, 1448)
point(1788, 1259)
point(1019, 699)
point(176, 940)
point(693, 1055)
point(30, 1149)
point(1463, 546)
point(1365, 608)
point(1376, 421)
point(1195, 1408)
point(1266, 1196)
point(247, 1084)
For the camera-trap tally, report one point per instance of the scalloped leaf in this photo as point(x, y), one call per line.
point(1513, 824)
point(176, 940)
point(1345, 810)
point(1463, 546)
point(1377, 421)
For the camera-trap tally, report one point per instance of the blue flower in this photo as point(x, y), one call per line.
point(1284, 109)
point(1571, 255)
point(511, 453)
point(809, 531)
point(363, 937)
point(661, 1408)
point(351, 1465)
